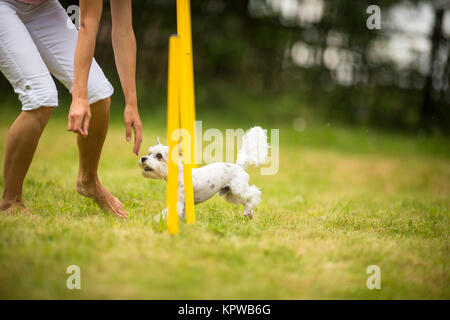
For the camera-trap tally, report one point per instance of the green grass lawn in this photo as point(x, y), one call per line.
point(344, 199)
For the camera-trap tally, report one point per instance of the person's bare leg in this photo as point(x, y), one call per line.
point(21, 143)
point(90, 149)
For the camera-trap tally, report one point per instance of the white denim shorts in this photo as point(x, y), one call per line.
point(35, 42)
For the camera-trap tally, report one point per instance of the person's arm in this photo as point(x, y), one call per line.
point(124, 45)
point(80, 113)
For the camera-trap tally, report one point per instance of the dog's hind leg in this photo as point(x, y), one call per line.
point(248, 196)
point(252, 197)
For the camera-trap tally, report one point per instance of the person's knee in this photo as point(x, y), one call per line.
point(42, 115)
point(101, 107)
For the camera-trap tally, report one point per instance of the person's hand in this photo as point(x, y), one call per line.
point(79, 116)
point(132, 120)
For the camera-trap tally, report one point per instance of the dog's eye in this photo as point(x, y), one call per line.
point(159, 156)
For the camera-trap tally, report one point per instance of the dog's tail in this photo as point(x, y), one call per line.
point(254, 149)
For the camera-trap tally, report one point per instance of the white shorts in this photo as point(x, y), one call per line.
point(36, 41)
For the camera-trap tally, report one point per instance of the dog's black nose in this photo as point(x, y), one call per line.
point(143, 159)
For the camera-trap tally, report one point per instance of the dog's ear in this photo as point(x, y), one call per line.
point(157, 141)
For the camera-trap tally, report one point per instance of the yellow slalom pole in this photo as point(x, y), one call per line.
point(181, 22)
point(173, 124)
point(184, 29)
point(186, 116)
point(190, 77)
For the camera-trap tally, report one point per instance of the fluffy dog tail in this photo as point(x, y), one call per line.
point(254, 149)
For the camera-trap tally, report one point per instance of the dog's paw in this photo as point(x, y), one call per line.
point(160, 217)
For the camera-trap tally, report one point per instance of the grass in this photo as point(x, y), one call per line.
point(344, 199)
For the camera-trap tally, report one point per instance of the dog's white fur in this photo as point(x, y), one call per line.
point(228, 179)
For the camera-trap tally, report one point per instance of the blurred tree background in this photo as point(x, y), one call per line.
point(315, 59)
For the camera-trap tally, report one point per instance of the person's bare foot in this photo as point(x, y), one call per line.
point(13, 207)
point(104, 199)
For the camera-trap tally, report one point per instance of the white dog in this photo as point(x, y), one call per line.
point(229, 179)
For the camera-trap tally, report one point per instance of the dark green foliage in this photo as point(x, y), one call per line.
point(246, 45)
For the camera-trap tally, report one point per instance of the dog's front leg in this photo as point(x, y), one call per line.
point(180, 203)
point(163, 214)
point(181, 211)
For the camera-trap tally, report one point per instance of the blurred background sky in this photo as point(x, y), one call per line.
point(313, 60)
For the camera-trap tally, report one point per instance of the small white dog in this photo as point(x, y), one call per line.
point(229, 179)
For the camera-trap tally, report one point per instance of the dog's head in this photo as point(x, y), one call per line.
point(154, 165)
